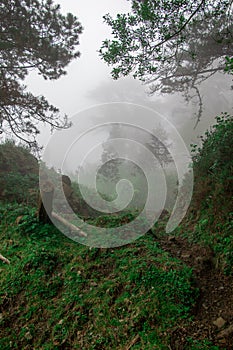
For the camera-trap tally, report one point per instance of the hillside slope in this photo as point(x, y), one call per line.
point(160, 292)
point(18, 174)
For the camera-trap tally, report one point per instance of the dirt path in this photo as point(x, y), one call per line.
point(213, 313)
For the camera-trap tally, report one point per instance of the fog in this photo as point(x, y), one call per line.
point(87, 95)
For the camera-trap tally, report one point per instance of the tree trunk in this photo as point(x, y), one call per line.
point(46, 202)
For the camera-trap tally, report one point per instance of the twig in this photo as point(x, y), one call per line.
point(4, 259)
point(135, 339)
point(200, 106)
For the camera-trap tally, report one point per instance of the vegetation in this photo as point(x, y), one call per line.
point(210, 217)
point(19, 174)
point(157, 36)
point(59, 294)
point(47, 43)
point(171, 45)
point(159, 292)
point(76, 298)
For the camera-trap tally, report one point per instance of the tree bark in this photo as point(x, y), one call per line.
point(46, 202)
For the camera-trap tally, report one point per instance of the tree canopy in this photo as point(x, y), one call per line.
point(173, 45)
point(33, 35)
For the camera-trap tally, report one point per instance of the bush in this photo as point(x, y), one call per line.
point(214, 157)
point(19, 174)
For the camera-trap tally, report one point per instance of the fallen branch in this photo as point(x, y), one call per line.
point(4, 259)
point(69, 225)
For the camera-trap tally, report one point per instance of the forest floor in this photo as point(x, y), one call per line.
point(213, 312)
point(160, 292)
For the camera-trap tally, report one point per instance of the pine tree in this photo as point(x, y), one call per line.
point(33, 35)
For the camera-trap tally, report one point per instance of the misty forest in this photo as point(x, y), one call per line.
point(116, 223)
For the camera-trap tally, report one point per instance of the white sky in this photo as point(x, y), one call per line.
point(87, 72)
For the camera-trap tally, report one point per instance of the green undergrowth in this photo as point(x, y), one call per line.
point(209, 220)
point(217, 236)
point(57, 294)
point(210, 217)
point(18, 174)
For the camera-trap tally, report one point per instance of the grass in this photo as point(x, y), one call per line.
point(216, 235)
point(57, 294)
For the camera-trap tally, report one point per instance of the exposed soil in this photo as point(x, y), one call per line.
point(213, 312)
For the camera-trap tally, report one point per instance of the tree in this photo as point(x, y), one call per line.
point(113, 163)
point(173, 45)
point(110, 158)
point(160, 146)
point(33, 35)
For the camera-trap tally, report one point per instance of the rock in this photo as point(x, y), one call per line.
point(219, 322)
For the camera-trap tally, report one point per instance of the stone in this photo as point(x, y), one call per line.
point(219, 322)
